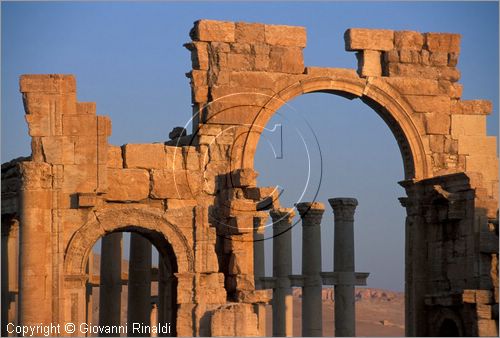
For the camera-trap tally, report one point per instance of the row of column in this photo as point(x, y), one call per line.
point(311, 279)
point(139, 307)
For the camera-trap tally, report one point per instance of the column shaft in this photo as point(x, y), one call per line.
point(258, 248)
point(139, 282)
point(10, 270)
point(343, 260)
point(90, 304)
point(153, 318)
point(282, 267)
point(89, 289)
point(110, 285)
point(167, 294)
point(35, 283)
point(312, 313)
point(5, 282)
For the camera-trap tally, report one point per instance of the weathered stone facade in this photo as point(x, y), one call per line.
point(195, 197)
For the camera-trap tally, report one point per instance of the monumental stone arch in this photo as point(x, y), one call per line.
point(383, 98)
point(195, 197)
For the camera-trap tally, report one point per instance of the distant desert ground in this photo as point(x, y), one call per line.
point(378, 313)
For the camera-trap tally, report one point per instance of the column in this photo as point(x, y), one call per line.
point(259, 267)
point(311, 214)
point(35, 245)
point(89, 289)
point(10, 243)
point(343, 265)
point(13, 248)
point(111, 280)
point(139, 282)
point(282, 268)
point(167, 294)
point(153, 318)
point(5, 278)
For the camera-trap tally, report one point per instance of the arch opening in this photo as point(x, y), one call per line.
point(377, 211)
point(132, 284)
point(379, 96)
point(174, 257)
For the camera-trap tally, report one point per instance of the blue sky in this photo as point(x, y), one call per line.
point(128, 57)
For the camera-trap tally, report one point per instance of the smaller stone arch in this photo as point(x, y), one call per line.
point(141, 220)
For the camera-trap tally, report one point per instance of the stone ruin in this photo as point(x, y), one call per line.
point(196, 200)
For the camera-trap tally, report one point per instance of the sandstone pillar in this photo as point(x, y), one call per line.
point(139, 282)
point(259, 266)
point(9, 273)
point(10, 269)
point(5, 278)
point(89, 288)
point(153, 318)
point(258, 247)
point(311, 214)
point(167, 294)
point(282, 269)
point(13, 254)
point(162, 292)
point(343, 264)
point(111, 284)
point(35, 259)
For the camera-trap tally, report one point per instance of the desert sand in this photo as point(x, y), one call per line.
point(378, 313)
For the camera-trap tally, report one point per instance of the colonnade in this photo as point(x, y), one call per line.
point(141, 306)
point(344, 278)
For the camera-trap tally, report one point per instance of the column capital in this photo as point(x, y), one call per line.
point(310, 212)
point(10, 227)
point(282, 214)
point(343, 208)
point(75, 281)
point(259, 221)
